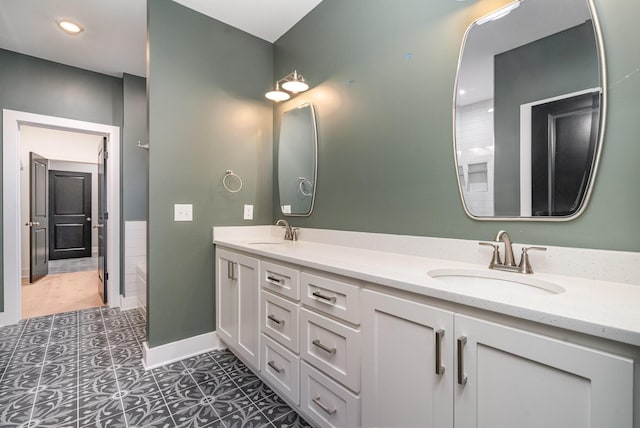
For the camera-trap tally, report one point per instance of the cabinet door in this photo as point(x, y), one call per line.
point(248, 319)
point(511, 378)
point(226, 297)
point(407, 363)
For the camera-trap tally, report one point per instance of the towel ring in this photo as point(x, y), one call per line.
point(303, 180)
point(230, 173)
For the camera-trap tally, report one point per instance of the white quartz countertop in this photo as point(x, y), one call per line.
point(610, 310)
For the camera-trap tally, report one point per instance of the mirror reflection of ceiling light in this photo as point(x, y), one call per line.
point(69, 27)
point(499, 13)
point(462, 92)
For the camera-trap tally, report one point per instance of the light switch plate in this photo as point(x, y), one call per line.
point(183, 212)
point(248, 212)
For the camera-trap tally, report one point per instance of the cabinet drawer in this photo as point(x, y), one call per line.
point(325, 402)
point(331, 347)
point(331, 297)
point(280, 279)
point(281, 368)
point(280, 320)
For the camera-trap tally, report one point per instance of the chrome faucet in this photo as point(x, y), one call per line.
point(502, 237)
point(290, 234)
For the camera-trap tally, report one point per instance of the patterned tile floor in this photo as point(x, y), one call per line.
point(83, 369)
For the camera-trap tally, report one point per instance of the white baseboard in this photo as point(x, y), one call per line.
point(128, 302)
point(179, 350)
point(141, 306)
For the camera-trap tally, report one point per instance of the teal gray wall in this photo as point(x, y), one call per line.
point(562, 63)
point(383, 78)
point(207, 113)
point(37, 86)
point(134, 159)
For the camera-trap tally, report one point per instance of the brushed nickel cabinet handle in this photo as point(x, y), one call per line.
point(439, 366)
point(327, 410)
point(275, 320)
point(278, 370)
point(321, 296)
point(323, 347)
point(462, 378)
point(230, 269)
point(274, 280)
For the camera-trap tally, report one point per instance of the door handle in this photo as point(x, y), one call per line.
point(88, 218)
point(32, 223)
point(98, 226)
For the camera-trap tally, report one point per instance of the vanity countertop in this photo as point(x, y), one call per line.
point(594, 307)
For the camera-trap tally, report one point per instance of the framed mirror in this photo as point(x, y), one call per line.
point(297, 160)
point(529, 111)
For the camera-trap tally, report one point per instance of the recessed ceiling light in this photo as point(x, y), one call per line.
point(462, 92)
point(69, 27)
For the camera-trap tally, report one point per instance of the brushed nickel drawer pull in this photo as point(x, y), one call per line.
point(323, 347)
point(274, 280)
point(323, 297)
point(272, 364)
point(327, 410)
point(275, 320)
point(462, 378)
point(439, 366)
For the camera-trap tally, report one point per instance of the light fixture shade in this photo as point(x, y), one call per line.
point(295, 86)
point(277, 94)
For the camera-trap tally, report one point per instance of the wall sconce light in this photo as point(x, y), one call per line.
point(293, 82)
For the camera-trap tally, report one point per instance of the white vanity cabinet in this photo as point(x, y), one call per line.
point(407, 363)
point(423, 366)
point(237, 304)
point(506, 377)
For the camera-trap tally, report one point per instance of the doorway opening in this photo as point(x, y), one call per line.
point(59, 186)
point(17, 125)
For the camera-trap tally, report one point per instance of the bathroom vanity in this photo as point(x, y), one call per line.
point(355, 337)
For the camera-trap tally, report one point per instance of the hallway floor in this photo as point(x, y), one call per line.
point(83, 369)
point(56, 293)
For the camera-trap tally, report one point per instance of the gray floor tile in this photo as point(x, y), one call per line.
point(84, 369)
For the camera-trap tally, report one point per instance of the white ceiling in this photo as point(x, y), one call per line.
point(267, 19)
point(114, 40)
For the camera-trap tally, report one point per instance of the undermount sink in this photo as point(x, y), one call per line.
point(496, 281)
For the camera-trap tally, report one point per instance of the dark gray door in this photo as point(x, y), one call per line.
point(564, 136)
point(38, 223)
point(103, 217)
point(69, 214)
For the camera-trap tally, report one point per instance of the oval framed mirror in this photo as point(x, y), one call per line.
point(298, 161)
point(529, 111)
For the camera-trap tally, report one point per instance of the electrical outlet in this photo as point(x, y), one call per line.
point(183, 212)
point(248, 212)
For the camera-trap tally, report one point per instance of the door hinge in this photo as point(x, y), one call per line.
point(106, 216)
point(106, 276)
point(106, 155)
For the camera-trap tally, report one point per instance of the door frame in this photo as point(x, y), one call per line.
point(12, 120)
point(525, 149)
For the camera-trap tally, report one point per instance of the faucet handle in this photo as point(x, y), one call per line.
point(495, 258)
point(525, 266)
point(294, 233)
